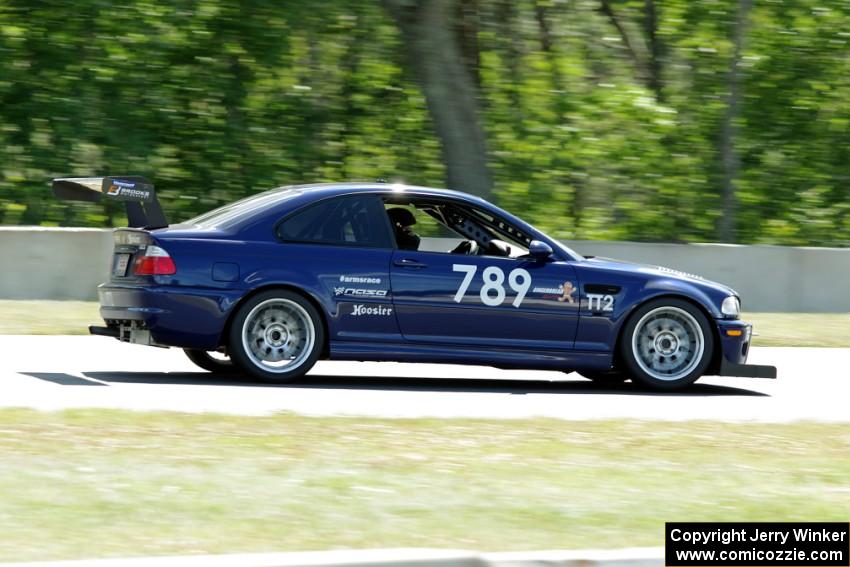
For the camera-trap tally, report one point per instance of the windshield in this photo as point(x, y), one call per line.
point(568, 250)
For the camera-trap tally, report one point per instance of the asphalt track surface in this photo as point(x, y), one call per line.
point(57, 372)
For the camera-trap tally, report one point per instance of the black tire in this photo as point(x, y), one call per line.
point(656, 324)
point(298, 327)
point(609, 378)
point(205, 360)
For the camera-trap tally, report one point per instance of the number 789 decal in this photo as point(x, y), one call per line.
point(493, 290)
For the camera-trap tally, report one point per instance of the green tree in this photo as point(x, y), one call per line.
point(597, 119)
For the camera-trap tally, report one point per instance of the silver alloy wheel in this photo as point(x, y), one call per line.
point(668, 343)
point(278, 335)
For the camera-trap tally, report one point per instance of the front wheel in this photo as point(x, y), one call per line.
point(276, 336)
point(667, 344)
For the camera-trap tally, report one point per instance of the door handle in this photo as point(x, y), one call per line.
point(408, 263)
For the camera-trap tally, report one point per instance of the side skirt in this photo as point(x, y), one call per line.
point(442, 354)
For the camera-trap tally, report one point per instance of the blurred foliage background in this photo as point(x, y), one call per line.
point(660, 120)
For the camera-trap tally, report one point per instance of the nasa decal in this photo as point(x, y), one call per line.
point(359, 292)
point(350, 291)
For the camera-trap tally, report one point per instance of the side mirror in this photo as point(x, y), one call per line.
point(540, 250)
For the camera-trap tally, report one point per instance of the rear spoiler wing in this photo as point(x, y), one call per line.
point(137, 194)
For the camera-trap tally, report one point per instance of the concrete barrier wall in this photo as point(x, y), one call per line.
point(69, 263)
point(769, 278)
point(53, 263)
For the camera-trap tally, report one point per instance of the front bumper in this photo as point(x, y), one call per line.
point(746, 370)
point(735, 338)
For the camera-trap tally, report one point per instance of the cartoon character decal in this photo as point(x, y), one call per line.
point(567, 295)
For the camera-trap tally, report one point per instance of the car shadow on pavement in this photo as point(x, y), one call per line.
point(413, 384)
point(62, 379)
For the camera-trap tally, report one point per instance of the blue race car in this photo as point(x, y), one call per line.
point(371, 271)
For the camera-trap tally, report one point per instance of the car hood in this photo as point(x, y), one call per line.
point(659, 272)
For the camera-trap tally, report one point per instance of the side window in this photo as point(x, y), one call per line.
point(344, 221)
point(436, 226)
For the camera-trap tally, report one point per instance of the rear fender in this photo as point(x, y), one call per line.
point(284, 285)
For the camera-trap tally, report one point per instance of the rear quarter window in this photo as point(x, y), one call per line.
point(341, 221)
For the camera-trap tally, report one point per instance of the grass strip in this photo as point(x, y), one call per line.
point(95, 483)
point(43, 317)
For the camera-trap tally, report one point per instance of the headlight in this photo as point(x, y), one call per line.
point(731, 306)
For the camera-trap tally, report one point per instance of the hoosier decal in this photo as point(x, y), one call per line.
point(377, 310)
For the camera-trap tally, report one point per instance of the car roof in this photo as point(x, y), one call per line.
point(279, 201)
point(282, 200)
point(316, 190)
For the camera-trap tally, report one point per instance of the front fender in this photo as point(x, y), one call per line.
point(600, 332)
point(669, 286)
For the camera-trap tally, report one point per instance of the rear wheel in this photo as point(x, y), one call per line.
point(667, 344)
point(211, 361)
point(276, 336)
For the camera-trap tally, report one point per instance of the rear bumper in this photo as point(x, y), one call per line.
point(163, 316)
point(735, 338)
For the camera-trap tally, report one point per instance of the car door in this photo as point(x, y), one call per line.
point(346, 245)
point(445, 298)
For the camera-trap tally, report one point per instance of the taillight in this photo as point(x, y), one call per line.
point(155, 262)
